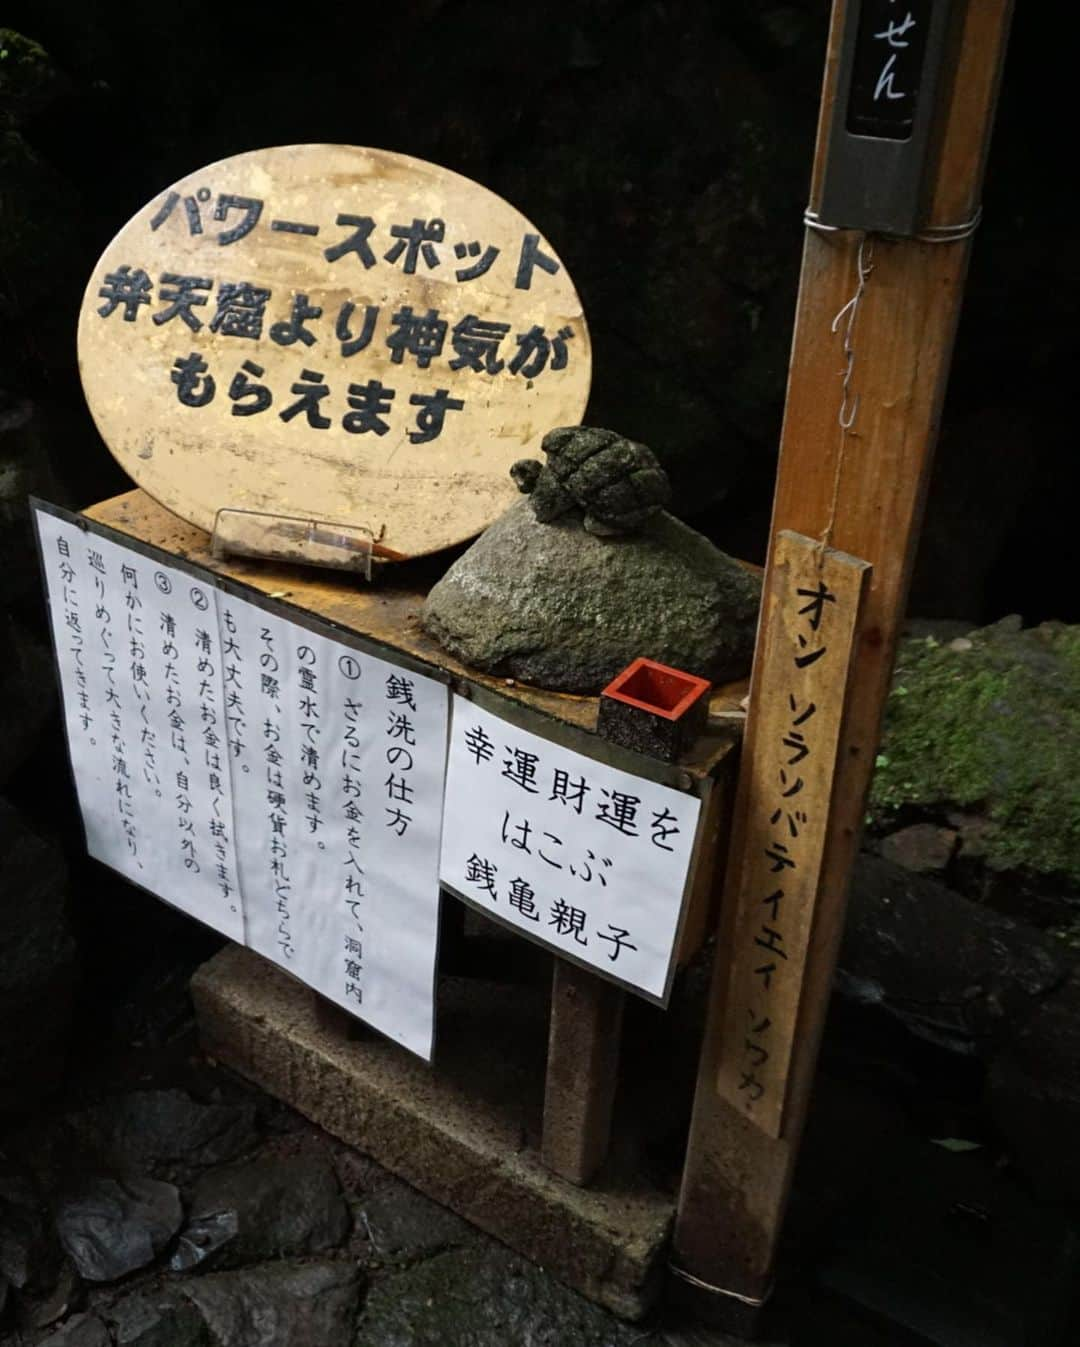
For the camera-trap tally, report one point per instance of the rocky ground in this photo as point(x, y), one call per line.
point(161, 1201)
point(206, 1213)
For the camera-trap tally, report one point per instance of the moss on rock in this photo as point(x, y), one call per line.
point(554, 605)
point(28, 78)
point(990, 721)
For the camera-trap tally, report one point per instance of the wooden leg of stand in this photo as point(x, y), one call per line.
point(582, 1068)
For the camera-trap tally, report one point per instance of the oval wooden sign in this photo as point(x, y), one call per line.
point(333, 333)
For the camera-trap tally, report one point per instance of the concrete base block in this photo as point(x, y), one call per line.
point(465, 1131)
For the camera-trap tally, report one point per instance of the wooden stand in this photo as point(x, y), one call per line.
point(586, 1010)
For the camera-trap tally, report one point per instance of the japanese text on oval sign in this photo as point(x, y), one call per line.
point(240, 309)
point(332, 332)
point(576, 854)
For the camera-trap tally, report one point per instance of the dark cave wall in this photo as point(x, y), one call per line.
point(665, 150)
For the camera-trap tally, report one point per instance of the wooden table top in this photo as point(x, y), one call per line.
point(387, 612)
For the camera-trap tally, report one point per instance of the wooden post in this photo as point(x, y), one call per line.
point(862, 491)
point(582, 1071)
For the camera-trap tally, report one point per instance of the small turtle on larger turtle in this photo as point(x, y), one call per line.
point(616, 483)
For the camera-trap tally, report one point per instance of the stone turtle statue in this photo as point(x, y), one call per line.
point(616, 483)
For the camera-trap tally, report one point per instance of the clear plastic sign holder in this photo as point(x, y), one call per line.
point(293, 539)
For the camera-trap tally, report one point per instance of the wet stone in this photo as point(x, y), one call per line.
point(949, 1250)
point(280, 1305)
point(266, 1209)
point(922, 847)
point(954, 972)
point(1034, 1095)
point(39, 1310)
point(110, 1227)
point(34, 1273)
point(84, 1330)
point(162, 1132)
point(202, 1238)
point(30, 1256)
point(401, 1224)
point(164, 1319)
point(483, 1297)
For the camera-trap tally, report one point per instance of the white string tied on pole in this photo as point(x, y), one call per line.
point(845, 319)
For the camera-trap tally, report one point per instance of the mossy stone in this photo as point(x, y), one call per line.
point(991, 722)
point(551, 604)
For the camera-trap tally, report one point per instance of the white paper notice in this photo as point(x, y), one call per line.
point(137, 648)
point(282, 787)
point(585, 858)
point(338, 795)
